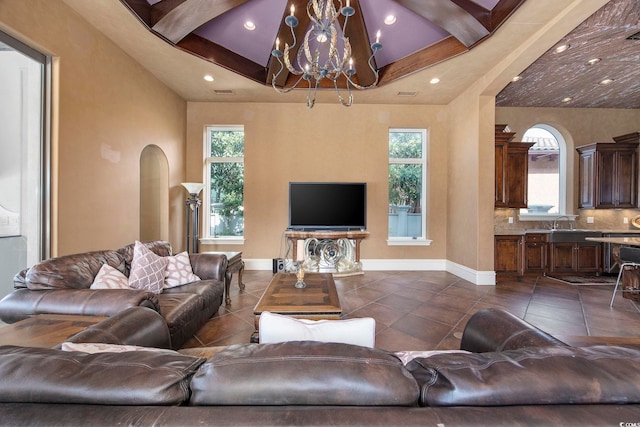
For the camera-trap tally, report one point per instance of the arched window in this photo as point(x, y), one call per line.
point(547, 171)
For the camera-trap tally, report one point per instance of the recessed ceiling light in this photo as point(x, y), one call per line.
point(434, 81)
point(516, 78)
point(593, 61)
point(208, 78)
point(561, 47)
point(249, 25)
point(567, 99)
point(390, 20)
point(605, 82)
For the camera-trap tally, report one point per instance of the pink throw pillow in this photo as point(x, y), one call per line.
point(179, 271)
point(110, 278)
point(147, 269)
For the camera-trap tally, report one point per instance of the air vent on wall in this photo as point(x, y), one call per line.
point(635, 36)
point(407, 93)
point(223, 92)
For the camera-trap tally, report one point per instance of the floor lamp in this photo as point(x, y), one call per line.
point(193, 215)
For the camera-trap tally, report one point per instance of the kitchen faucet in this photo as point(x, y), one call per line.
point(555, 222)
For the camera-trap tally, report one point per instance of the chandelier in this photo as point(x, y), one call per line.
point(325, 52)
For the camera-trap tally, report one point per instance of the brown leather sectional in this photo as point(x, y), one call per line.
point(514, 374)
point(62, 286)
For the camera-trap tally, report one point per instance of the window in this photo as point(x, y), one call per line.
point(25, 209)
point(224, 196)
point(546, 177)
point(407, 186)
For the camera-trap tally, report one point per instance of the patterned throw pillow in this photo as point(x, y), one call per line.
point(147, 269)
point(110, 278)
point(179, 271)
point(90, 347)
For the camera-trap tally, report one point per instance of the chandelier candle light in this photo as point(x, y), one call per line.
point(321, 50)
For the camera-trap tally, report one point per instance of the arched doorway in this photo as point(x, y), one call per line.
point(154, 194)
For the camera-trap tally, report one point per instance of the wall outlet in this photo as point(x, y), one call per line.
point(625, 220)
point(511, 220)
point(589, 220)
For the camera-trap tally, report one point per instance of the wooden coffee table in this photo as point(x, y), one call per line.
point(45, 330)
point(319, 300)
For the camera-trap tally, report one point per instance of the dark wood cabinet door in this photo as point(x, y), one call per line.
point(508, 254)
point(606, 180)
point(563, 258)
point(517, 174)
point(589, 258)
point(587, 179)
point(501, 171)
point(626, 179)
point(535, 258)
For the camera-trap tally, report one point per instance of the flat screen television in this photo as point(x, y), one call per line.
point(327, 206)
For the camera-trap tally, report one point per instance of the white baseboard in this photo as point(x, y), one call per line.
point(466, 273)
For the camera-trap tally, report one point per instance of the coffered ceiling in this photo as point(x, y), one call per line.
point(455, 41)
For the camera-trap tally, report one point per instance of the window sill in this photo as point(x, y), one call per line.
point(409, 242)
point(234, 240)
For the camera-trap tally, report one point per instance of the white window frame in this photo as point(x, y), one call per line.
point(420, 240)
point(206, 198)
point(562, 180)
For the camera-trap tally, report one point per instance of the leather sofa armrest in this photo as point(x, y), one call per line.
point(209, 266)
point(25, 303)
point(497, 330)
point(139, 326)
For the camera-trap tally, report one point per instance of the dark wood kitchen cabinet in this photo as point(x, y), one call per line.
point(608, 173)
point(572, 258)
point(508, 255)
point(535, 253)
point(512, 168)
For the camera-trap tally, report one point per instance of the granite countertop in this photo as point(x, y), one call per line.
point(546, 230)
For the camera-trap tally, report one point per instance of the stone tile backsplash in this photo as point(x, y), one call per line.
point(603, 219)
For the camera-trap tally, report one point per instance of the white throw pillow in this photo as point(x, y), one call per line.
point(276, 328)
point(408, 356)
point(179, 271)
point(110, 278)
point(147, 269)
point(91, 347)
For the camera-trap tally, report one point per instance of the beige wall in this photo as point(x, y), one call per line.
point(108, 109)
point(288, 142)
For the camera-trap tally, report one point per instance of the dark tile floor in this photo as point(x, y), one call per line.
point(418, 310)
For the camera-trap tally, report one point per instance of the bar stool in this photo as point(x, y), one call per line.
point(629, 257)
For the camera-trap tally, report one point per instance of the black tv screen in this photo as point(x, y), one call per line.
point(327, 205)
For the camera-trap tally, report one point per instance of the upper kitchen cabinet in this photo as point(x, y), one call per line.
point(512, 166)
point(609, 173)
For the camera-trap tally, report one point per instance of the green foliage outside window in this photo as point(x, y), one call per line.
point(227, 182)
point(405, 178)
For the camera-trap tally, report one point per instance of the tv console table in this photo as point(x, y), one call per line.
point(330, 251)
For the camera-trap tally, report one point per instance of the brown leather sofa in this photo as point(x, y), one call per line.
point(514, 374)
point(62, 286)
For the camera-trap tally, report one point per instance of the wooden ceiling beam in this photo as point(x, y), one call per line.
point(449, 16)
point(188, 15)
point(223, 57)
point(441, 51)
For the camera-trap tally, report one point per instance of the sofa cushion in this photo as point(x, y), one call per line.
point(530, 376)
point(72, 271)
point(39, 375)
point(276, 328)
point(158, 247)
point(110, 278)
point(303, 373)
point(147, 269)
point(179, 271)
